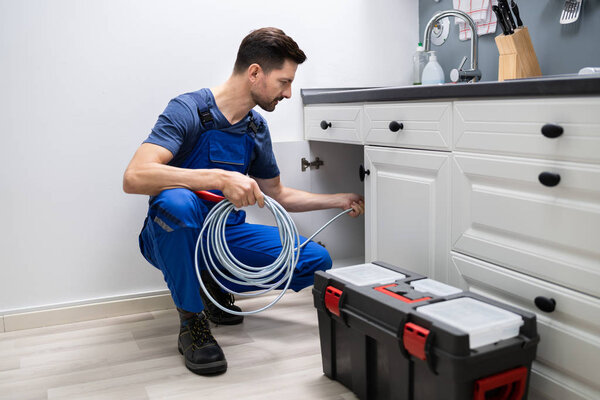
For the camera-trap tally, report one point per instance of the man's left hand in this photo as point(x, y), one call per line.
point(354, 201)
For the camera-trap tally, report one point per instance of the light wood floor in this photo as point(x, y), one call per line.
point(274, 354)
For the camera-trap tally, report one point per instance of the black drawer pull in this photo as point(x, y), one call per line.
point(549, 179)
point(395, 126)
point(325, 125)
point(552, 131)
point(545, 304)
point(362, 172)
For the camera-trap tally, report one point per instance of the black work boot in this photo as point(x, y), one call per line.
point(214, 313)
point(202, 353)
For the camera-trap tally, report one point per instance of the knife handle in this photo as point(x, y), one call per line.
point(506, 18)
point(515, 10)
point(509, 14)
point(500, 19)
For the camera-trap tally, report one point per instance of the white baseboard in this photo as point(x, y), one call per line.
point(85, 312)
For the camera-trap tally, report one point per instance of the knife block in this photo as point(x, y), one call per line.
point(517, 56)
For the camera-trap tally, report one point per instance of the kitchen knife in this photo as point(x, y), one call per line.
point(504, 11)
point(500, 19)
point(509, 16)
point(515, 10)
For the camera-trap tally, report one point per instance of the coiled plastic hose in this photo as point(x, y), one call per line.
point(267, 277)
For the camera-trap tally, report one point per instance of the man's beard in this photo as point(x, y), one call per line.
point(265, 104)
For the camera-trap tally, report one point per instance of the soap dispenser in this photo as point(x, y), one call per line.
point(433, 74)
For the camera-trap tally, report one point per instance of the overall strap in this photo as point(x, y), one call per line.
point(206, 118)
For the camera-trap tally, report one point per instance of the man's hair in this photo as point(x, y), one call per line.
point(269, 48)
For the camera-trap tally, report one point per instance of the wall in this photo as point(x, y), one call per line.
point(81, 85)
point(560, 49)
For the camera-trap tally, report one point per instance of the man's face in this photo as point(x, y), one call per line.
point(275, 86)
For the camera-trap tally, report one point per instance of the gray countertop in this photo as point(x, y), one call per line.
point(576, 85)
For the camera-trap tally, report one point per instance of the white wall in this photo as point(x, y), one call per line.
point(82, 83)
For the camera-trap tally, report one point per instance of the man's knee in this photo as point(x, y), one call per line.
point(318, 258)
point(180, 207)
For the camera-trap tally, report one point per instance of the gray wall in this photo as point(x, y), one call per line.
point(560, 49)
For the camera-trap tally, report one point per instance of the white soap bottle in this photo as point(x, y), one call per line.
point(433, 74)
point(419, 61)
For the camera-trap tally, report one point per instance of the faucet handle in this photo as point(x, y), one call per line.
point(464, 75)
point(455, 74)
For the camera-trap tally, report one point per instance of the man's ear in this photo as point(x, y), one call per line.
point(254, 72)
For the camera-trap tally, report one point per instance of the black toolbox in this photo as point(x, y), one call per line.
point(375, 342)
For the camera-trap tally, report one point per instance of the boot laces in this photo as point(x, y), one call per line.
point(200, 330)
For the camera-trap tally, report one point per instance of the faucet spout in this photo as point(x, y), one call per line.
point(473, 75)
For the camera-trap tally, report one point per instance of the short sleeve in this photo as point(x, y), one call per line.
point(172, 126)
point(264, 165)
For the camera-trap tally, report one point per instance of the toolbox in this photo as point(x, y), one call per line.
point(389, 333)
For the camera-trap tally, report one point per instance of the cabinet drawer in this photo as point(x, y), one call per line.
point(514, 127)
point(423, 125)
point(503, 214)
point(569, 348)
point(346, 123)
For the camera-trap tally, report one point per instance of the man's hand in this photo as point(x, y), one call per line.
point(242, 190)
point(354, 201)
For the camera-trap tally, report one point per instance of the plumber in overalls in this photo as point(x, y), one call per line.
point(212, 139)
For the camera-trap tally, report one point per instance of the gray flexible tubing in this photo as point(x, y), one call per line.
point(266, 277)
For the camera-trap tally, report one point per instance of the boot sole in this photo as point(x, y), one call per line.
point(204, 369)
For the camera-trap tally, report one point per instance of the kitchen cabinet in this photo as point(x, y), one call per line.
point(407, 197)
point(499, 196)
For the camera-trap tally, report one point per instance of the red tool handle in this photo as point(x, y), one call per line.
point(209, 196)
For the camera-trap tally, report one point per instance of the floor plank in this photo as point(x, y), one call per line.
point(273, 354)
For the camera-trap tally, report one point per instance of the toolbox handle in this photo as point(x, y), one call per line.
point(507, 385)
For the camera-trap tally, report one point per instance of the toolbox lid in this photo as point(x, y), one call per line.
point(434, 287)
point(484, 322)
point(366, 274)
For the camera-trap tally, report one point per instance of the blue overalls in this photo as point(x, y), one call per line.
point(175, 218)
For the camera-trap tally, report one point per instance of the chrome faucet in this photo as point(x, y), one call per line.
point(462, 75)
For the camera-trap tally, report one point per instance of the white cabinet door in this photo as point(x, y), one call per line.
point(503, 214)
point(339, 123)
point(407, 203)
point(566, 365)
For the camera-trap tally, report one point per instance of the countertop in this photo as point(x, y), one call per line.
point(577, 85)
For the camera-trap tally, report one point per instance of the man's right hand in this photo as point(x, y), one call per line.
point(242, 190)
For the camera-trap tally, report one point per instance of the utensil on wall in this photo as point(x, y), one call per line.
point(571, 11)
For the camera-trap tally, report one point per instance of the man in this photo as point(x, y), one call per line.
point(212, 139)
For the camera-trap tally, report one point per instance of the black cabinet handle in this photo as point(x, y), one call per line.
point(552, 131)
point(549, 179)
point(545, 304)
point(395, 126)
point(362, 172)
point(325, 124)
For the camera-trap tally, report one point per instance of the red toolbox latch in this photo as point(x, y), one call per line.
point(415, 338)
point(507, 385)
point(332, 300)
